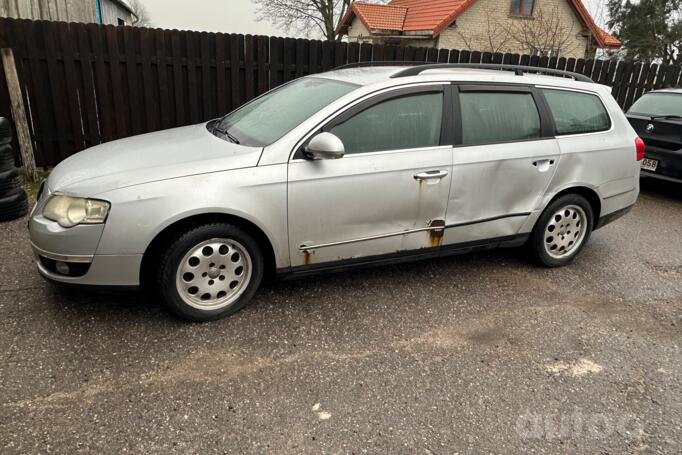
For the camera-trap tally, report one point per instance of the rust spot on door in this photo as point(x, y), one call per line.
point(307, 257)
point(436, 233)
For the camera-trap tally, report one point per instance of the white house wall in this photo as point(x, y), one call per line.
point(112, 11)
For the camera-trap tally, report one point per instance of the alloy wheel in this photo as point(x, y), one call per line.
point(214, 274)
point(565, 231)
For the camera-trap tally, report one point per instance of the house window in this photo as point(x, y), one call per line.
point(522, 8)
point(121, 22)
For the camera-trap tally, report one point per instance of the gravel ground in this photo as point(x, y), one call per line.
point(482, 353)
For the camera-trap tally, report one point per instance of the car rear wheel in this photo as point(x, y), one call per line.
point(210, 272)
point(562, 231)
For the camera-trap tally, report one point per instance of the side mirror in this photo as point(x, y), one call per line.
point(325, 146)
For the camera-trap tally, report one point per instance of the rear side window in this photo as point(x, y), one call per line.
point(577, 113)
point(489, 117)
point(402, 123)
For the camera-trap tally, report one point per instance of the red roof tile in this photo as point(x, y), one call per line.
point(603, 38)
point(380, 17)
point(434, 16)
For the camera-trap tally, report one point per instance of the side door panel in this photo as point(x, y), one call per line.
point(369, 204)
point(497, 186)
point(498, 183)
point(364, 205)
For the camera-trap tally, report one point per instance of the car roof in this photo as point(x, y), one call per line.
point(669, 90)
point(373, 75)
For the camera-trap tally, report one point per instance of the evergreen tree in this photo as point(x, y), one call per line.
point(651, 30)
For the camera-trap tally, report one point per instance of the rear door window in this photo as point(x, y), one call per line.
point(489, 117)
point(577, 113)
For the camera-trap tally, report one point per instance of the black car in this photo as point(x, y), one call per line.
point(657, 118)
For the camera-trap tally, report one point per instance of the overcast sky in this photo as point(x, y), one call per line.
point(228, 16)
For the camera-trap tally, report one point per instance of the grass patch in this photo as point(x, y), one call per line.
point(32, 188)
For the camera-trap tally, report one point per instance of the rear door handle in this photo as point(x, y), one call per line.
point(543, 165)
point(431, 175)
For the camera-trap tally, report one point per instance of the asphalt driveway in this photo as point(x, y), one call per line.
point(482, 353)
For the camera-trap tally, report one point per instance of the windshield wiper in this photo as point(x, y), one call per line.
point(225, 133)
point(232, 138)
point(666, 117)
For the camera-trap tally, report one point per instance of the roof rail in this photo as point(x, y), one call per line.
point(377, 63)
point(419, 67)
point(517, 69)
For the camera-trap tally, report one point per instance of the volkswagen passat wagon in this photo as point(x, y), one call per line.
point(359, 166)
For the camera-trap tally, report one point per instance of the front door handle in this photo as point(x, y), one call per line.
point(431, 175)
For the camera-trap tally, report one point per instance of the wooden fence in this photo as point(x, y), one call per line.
point(85, 84)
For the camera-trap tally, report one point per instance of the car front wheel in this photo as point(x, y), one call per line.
point(562, 231)
point(210, 272)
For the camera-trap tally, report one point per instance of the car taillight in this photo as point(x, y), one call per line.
point(641, 148)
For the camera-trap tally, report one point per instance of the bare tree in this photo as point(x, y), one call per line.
point(546, 35)
point(306, 17)
point(140, 14)
point(492, 38)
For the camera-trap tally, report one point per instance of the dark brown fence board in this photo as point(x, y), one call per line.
point(431, 55)
point(88, 103)
point(262, 65)
point(150, 81)
point(276, 59)
point(464, 56)
point(162, 75)
point(208, 90)
point(72, 86)
point(56, 78)
point(178, 77)
point(193, 79)
point(88, 84)
point(134, 100)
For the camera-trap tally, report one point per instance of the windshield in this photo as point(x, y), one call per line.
point(273, 115)
point(659, 104)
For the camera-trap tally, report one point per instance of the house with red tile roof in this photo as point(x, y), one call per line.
point(562, 28)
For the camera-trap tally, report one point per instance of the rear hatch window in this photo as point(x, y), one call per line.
point(657, 118)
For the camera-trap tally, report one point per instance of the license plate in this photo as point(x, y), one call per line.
point(649, 165)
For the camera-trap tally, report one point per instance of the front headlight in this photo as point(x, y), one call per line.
point(71, 211)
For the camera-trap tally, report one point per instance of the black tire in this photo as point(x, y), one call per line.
point(9, 182)
point(171, 260)
point(538, 242)
point(13, 206)
point(6, 158)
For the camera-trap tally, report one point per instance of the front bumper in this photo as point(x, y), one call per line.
point(70, 256)
point(102, 271)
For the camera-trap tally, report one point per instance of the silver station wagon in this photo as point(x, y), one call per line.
point(362, 165)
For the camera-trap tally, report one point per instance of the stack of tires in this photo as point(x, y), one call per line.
point(13, 200)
